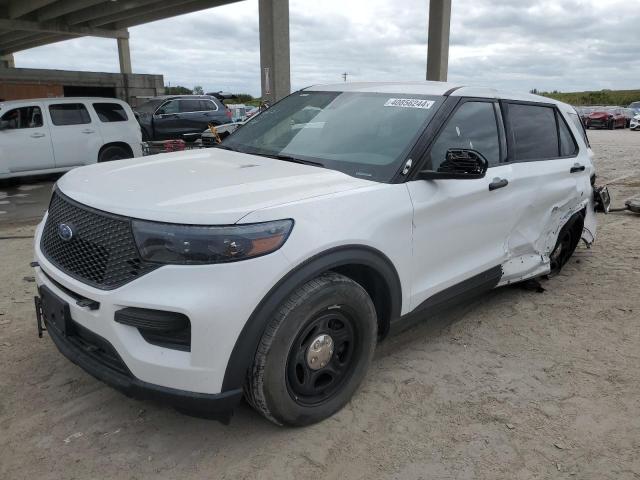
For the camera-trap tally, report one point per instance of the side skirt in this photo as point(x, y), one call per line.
point(462, 292)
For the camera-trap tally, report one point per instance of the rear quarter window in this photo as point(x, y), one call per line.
point(533, 131)
point(69, 114)
point(580, 126)
point(110, 112)
point(568, 146)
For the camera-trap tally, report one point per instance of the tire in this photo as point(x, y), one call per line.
point(611, 126)
point(566, 244)
point(282, 384)
point(113, 152)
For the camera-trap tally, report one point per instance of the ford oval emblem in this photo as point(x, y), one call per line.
point(65, 232)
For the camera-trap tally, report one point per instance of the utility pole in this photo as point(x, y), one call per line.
point(344, 76)
point(438, 41)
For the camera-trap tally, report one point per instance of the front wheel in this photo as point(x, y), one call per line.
point(314, 352)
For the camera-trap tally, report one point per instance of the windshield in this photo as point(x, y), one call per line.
point(150, 106)
point(366, 135)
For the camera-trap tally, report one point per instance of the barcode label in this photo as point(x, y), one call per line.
point(409, 103)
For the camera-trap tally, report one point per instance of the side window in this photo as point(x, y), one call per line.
point(169, 107)
point(24, 117)
point(69, 114)
point(568, 146)
point(580, 126)
point(533, 132)
point(207, 105)
point(110, 112)
point(472, 126)
point(187, 106)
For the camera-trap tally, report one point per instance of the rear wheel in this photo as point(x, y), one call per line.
point(314, 353)
point(568, 240)
point(113, 152)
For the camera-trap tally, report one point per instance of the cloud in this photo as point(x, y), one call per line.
point(562, 44)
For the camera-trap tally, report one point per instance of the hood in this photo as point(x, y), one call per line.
point(210, 187)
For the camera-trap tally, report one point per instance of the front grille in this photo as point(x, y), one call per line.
point(101, 252)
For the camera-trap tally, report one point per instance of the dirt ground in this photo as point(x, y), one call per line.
point(519, 385)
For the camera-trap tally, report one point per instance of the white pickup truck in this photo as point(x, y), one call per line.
point(57, 134)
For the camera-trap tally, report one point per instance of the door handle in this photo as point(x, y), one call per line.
point(88, 131)
point(37, 135)
point(577, 168)
point(498, 183)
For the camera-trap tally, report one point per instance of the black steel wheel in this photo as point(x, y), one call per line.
point(321, 357)
point(568, 240)
point(314, 352)
point(561, 252)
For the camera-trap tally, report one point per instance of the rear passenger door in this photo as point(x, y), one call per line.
point(74, 134)
point(193, 119)
point(547, 174)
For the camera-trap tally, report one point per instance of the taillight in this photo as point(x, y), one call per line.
point(228, 113)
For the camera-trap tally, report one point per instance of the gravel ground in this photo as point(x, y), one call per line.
point(518, 385)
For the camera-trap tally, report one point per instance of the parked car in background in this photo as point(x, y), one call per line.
point(56, 134)
point(635, 122)
point(180, 116)
point(628, 115)
point(251, 111)
point(608, 117)
point(270, 266)
point(583, 113)
point(635, 106)
point(238, 112)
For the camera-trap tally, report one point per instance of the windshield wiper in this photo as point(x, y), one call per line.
point(288, 158)
point(225, 147)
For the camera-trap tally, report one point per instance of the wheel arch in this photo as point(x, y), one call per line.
point(123, 145)
point(367, 266)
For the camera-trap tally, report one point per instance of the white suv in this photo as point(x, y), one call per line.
point(56, 134)
point(269, 267)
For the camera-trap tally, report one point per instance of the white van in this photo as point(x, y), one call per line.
point(57, 134)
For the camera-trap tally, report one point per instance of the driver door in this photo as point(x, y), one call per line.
point(461, 227)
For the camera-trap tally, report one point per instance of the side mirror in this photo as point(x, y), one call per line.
point(459, 164)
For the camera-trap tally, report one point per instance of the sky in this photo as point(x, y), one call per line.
point(565, 45)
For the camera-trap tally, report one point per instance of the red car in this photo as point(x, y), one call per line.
point(606, 118)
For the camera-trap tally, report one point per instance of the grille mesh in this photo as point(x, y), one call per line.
point(102, 251)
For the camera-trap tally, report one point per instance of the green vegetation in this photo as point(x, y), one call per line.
point(602, 97)
point(177, 90)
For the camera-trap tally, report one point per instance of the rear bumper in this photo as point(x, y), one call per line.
point(219, 406)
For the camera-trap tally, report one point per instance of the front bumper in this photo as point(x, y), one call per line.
point(217, 299)
point(219, 406)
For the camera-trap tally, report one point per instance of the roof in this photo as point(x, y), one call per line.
point(431, 88)
point(46, 101)
point(27, 24)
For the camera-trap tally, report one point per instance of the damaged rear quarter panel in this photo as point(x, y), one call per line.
point(549, 195)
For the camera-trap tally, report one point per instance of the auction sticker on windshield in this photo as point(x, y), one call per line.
point(409, 103)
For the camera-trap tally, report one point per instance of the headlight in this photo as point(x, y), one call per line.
point(195, 244)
